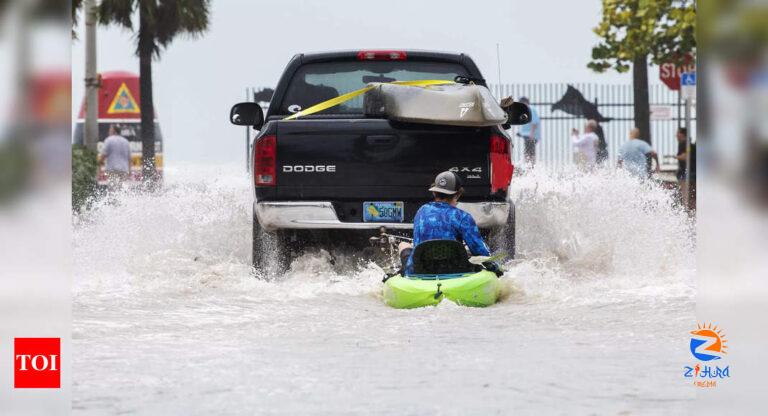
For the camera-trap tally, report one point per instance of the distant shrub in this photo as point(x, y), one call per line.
point(84, 168)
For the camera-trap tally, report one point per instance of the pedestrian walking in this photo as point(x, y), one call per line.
point(530, 133)
point(634, 153)
point(116, 157)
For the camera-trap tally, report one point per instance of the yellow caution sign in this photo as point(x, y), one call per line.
point(136, 160)
point(123, 103)
point(350, 95)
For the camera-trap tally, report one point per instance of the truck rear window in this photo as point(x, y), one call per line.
point(315, 83)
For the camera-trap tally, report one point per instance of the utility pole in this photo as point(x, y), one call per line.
point(687, 196)
point(91, 131)
point(688, 91)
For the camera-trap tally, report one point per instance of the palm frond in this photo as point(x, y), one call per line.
point(76, 5)
point(118, 12)
point(181, 17)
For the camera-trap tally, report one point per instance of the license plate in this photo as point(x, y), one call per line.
point(383, 211)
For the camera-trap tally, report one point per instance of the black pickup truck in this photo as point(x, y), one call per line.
point(341, 176)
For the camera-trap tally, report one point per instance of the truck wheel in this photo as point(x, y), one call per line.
point(269, 251)
point(504, 237)
point(510, 234)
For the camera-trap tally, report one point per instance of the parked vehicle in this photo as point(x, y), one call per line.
point(340, 172)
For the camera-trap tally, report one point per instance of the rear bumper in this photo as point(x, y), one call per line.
point(322, 215)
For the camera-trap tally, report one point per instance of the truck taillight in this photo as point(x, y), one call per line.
point(381, 56)
point(501, 163)
point(264, 161)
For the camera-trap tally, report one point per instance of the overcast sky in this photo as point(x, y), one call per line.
point(249, 42)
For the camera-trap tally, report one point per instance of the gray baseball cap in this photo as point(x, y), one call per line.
point(446, 183)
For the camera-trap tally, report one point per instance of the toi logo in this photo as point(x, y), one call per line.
point(37, 363)
point(708, 343)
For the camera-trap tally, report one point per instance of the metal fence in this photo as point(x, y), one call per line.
point(612, 100)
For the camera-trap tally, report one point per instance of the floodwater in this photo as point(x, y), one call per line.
point(169, 319)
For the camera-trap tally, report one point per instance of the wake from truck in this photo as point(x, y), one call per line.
point(581, 238)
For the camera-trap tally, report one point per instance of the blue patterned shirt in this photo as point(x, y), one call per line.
point(441, 221)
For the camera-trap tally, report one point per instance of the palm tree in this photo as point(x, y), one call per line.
point(160, 21)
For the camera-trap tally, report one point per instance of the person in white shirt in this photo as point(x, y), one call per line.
point(116, 156)
point(585, 145)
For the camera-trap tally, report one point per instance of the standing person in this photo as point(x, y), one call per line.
point(687, 188)
point(682, 144)
point(602, 146)
point(682, 149)
point(633, 155)
point(116, 156)
point(585, 145)
point(530, 133)
point(442, 220)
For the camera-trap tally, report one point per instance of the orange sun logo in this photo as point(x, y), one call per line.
point(708, 343)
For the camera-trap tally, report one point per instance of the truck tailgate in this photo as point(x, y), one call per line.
point(375, 159)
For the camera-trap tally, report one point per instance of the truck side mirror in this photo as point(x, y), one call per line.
point(517, 114)
point(247, 114)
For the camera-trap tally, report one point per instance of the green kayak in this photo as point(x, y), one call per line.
point(472, 289)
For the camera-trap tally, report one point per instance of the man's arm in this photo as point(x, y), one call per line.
point(471, 236)
point(579, 139)
point(104, 152)
point(655, 157)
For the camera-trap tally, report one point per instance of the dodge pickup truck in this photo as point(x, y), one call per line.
point(340, 175)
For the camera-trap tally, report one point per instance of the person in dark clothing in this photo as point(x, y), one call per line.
point(690, 192)
point(682, 138)
point(687, 188)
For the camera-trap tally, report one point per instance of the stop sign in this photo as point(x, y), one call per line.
point(669, 73)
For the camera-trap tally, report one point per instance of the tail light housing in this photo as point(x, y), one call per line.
point(265, 161)
point(501, 163)
point(381, 56)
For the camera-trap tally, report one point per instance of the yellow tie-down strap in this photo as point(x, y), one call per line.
point(350, 95)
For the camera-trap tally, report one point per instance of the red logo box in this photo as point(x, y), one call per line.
point(37, 363)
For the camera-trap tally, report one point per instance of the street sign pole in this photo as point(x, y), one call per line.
point(686, 197)
point(247, 136)
point(688, 90)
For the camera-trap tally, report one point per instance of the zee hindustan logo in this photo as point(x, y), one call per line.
point(707, 343)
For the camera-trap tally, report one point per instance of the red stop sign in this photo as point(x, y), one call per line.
point(669, 73)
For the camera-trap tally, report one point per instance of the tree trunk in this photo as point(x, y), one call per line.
point(641, 101)
point(91, 127)
point(146, 49)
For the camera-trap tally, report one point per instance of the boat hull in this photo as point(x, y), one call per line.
point(477, 289)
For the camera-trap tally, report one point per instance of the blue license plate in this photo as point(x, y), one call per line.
point(383, 211)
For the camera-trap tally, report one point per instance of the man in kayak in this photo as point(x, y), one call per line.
point(442, 220)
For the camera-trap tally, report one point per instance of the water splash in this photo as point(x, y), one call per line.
point(581, 237)
point(164, 287)
point(606, 232)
